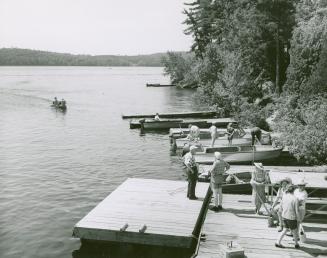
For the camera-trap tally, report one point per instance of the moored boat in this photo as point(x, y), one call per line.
point(239, 154)
point(196, 114)
point(164, 124)
point(59, 106)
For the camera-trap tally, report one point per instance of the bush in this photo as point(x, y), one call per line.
point(302, 124)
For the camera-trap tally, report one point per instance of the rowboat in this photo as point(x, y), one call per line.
point(316, 187)
point(59, 107)
point(198, 114)
point(205, 133)
point(221, 140)
point(159, 85)
point(239, 154)
point(164, 124)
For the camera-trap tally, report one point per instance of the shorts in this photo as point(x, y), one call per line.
point(290, 224)
point(215, 186)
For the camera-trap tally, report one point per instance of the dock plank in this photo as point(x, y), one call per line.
point(161, 205)
point(237, 222)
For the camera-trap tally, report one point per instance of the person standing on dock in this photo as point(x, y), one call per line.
point(217, 171)
point(256, 134)
point(214, 133)
point(191, 172)
point(301, 194)
point(291, 216)
point(258, 181)
point(276, 205)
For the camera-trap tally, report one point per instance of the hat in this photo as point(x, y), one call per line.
point(259, 165)
point(302, 182)
point(218, 155)
point(286, 179)
point(193, 147)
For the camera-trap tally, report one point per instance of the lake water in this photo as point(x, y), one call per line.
point(55, 167)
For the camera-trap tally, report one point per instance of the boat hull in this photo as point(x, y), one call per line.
point(151, 124)
point(240, 155)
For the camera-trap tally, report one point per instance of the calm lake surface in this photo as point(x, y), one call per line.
point(55, 167)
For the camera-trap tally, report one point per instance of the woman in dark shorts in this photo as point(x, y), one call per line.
point(290, 213)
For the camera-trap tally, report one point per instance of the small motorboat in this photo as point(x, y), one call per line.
point(239, 154)
point(61, 105)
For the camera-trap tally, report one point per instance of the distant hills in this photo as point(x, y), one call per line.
point(28, 57)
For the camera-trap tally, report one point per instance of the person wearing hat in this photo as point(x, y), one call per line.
point(290, 213)
point(301, 194)
point(276, 205)
point(258, 181)
point(194, 133)
point(214, 133)
point(191, 172)
point(217, 170)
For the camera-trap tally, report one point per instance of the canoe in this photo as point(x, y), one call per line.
point(198, 114)
point(239, 154)
point(165, 124)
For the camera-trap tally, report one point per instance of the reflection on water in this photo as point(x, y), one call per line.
point(117, 250)
point(55, 167)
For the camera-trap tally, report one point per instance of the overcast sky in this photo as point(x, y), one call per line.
point(119, 27)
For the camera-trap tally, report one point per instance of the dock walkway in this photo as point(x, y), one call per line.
point(145, 211)
point(238, 223)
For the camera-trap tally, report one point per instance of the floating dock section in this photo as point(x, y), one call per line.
point(145, 211)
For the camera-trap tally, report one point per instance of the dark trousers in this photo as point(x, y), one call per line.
point(192, 178)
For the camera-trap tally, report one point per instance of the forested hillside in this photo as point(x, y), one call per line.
point(259, 59)
point(16, 56)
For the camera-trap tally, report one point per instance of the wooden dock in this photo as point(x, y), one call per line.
point(238, 223)
point(145, 211)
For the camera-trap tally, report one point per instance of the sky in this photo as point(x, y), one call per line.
point(115, 27)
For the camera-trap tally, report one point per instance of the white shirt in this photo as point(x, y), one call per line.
point(195, 131)
point(302, 196)
point(213, 129)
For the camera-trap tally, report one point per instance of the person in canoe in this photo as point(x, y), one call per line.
point(62, 103)
point(55, 102)
point(194, 134)
point(156, 117)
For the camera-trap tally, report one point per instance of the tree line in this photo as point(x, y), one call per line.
point(258, 60)
point(16, 56)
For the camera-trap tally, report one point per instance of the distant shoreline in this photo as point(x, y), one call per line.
point(28, 57)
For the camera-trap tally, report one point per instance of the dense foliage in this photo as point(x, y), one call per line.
point(15, 56)
point(258, 58)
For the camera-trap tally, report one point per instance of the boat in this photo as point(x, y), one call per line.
point(59, 107)
point(197, 114)
point(164, 124)
point(205, 133)
point(222, 140)
point(159, 85)
point(239, 154)
point(241, 183)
